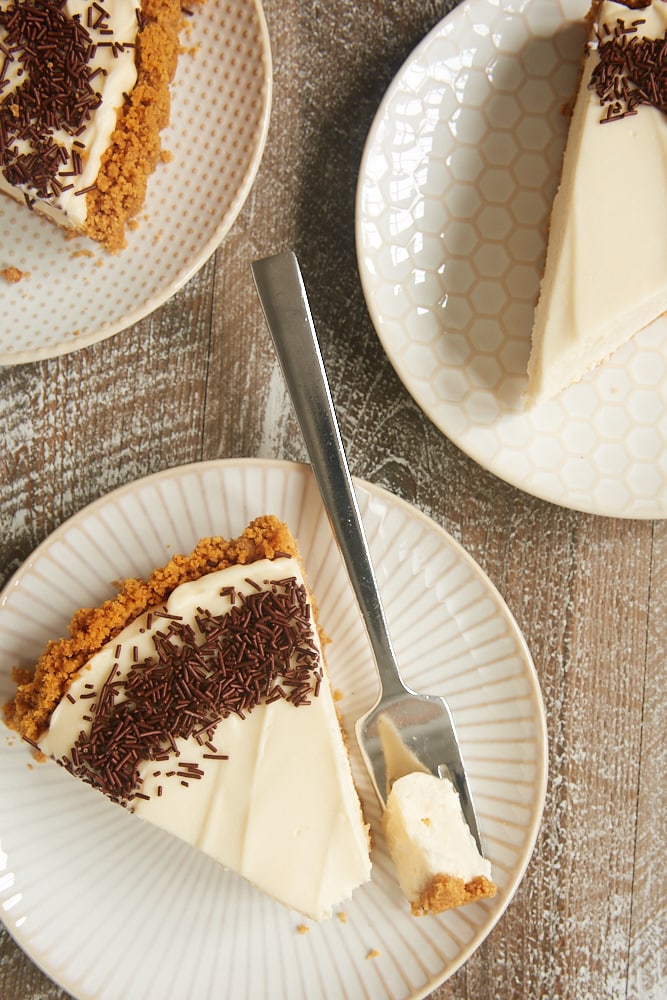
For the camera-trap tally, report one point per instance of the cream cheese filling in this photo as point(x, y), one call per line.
point(427, 834)
point(605, 275)
point(113, 62)
point(282, 809)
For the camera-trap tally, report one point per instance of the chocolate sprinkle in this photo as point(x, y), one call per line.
point(52, 52)
point(262, 649)
point(631, 71)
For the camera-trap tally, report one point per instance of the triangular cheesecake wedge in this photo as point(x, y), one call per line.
point(605, 275)
point(84, 96)
point(199, 701)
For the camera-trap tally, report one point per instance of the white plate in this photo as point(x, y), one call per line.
point(453, 202)
point(77, 293)
point(113, 909)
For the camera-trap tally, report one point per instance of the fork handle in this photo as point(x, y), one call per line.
point(283, 297)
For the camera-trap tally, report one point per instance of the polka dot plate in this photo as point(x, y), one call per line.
point(454, 195)
point(75, 293)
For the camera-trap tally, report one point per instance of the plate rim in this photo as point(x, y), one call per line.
point(387, 498)
point(650, 508)
point(69, 346)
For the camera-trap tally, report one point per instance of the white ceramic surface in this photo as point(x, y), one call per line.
point(453, 202)
point(76, 293)
point(113, 909)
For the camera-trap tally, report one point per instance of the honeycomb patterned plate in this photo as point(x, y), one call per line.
point(454, 195)
point(75, 293)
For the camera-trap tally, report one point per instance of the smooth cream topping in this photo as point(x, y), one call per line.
point(282, 809)
point(606, 269)
point(427, 834)
point(112, 27)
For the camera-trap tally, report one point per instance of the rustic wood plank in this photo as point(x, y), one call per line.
point(198, 380)
point(119, 410)
point(647, 974)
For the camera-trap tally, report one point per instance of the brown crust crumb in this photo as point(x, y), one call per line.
point(135, 145)
point(444, 892)
point(12, 275)
point(39, 691)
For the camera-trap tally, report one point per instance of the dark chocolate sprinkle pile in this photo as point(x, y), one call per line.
point(632, 70)
point(262, 650)
point(52, 52)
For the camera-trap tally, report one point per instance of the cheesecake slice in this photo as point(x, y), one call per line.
point(605, 276)
point(84, 95)
point(199, 701)
point(437, 862)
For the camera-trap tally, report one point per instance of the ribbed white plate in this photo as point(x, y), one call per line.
point(453, 203)
point(76, 293)
point(113, 909)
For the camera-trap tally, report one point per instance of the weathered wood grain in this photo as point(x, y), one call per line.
point(198, 380)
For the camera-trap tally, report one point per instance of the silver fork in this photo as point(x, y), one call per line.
point(405, 731)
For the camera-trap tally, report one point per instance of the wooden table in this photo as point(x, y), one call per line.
point(590, 593)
